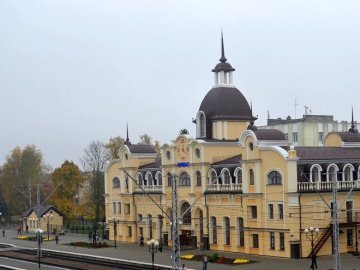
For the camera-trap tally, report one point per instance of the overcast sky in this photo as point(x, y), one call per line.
point(73, 71)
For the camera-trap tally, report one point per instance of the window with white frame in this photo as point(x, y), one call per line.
point(226, 176)
point(315, 175)
point(271, 211)
point(149, 179)
point(184, 179)
point(213, 178)
point(280, 211)
point(274, 178)
point(116, 183)
point(252, 210)
point(348, 172)
point(226, 227)
point(272, 240)
point(295, 137)
point(238, 174)
point(139, 179)
point(332, 173)
point(114, 207)
point(241, 234)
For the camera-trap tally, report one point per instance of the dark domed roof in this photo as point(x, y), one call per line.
point(223, 66)
point(225, 103)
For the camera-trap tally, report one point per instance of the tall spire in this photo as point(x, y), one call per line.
point(127, 142)
point(223, 58)
point(352, 129)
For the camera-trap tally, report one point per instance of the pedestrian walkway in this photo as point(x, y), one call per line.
point(134, 252)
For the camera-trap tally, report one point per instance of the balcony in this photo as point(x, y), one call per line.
point(149, 189)
point(224, 188)
point(327, 186)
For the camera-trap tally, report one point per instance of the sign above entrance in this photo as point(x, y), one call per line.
point(183, 164)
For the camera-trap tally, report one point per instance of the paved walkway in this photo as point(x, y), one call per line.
point(135, 253)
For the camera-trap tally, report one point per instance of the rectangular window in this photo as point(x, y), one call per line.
point(271, 211)
point(119, 207)
point(350, 237)
point(282, 241)
point(280, 211)
point(114, 207)
point(127, 208)
point(295, 137)
point(129, 231)
point(252, 212)
point(321, 136)
point(255, 238)
point(272, 240)
point(286, 136)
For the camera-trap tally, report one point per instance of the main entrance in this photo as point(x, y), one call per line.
point(185, 238)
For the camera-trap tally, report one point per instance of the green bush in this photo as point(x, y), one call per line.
point(213, 257)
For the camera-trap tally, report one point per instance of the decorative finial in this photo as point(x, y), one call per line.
point(353, 129)
point(223, 58)
point(127, 142)
point(251, 126)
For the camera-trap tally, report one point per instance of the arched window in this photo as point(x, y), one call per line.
point(274, 178)
point(241, 234)
point(213, 229)
point(149, 179)
point(332, 173)
point(252, 177)
point(198, 178)
point(202, 123)
point(315, 173)
point(238, 176)
point(226, 227)
point(213, 178)
point(116, 182)
point(184, 179)
point(226, 176)
point(187, 217)
point(169, 179)
point(348, 172)
point(139, 179)
point(159, 178)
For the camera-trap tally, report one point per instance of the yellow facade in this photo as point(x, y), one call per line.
point(46, 219)
point(248, 190)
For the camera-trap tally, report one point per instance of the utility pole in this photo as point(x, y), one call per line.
point(336, 261)
point(175, 230)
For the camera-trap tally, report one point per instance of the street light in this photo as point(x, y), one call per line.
point(312, 235)
point(115, 221)
point(153, 248)
point(39, 233)
point(48, 215)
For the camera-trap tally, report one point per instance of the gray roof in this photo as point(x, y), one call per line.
point(234, 161)
point(328, 153)
point(142, 148)
point(41, 210)
point(349, 136)
point(225, 103)
point(269, 135)
point(153, 165)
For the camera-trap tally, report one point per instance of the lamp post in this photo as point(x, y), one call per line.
point(48, 215)
point(114, 220)
point(39, 233)
point(312, 235)
point(153, 248)
point(1, 219)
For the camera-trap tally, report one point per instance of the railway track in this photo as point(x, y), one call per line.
point(76, 261)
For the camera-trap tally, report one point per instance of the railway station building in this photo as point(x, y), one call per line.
point(249, 189)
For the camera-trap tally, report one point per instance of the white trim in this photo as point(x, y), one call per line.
point(237, 169)
point(319, 172)
point(209, 177)
point(244, 136)
point(222, 175)
point(351, 172)
point(327, 171)
point(282, 152)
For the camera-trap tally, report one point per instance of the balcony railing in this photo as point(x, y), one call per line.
point(151, 189)
point(327, 186)
point(224, 188)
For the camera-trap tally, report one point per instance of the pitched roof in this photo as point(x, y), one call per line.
point(142, 148)
point(349, 136)
point(41, 210)
point(327, 153)
point(153, 165)
point(229, 161)
point(269, 135)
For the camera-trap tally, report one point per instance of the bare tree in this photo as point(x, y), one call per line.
point(94, 163)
